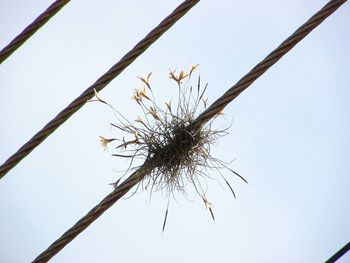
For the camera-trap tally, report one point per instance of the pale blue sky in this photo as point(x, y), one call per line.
point(289, 134)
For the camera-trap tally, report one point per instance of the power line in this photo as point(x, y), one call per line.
point(339, 253)
point(102, 82)
point(94, 213)
point(138, 175)
point(31, 29)
point(267, 62)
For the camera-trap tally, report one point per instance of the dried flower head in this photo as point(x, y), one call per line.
point(179, 153)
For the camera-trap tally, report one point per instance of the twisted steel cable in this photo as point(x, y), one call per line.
point(93, 214)
point(267, 62)
point(31, 29)
point(138, 175)
point(102, 82)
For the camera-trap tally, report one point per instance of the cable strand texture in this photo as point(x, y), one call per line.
point(102, 82)
point(31, 29)
point(93, 214)
point(267, 62)
point(232, 93)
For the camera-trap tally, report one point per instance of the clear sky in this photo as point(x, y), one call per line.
point(289, 134)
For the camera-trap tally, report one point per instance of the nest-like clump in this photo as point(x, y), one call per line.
point(177, 151)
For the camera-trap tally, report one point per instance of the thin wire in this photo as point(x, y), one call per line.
point(102, 82)
point(138, 175)
point(339, 253)
point(31, 29)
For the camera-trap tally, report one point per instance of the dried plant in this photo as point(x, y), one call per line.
point(178, 152)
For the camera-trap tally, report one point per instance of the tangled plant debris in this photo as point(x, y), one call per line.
point(178, 152)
